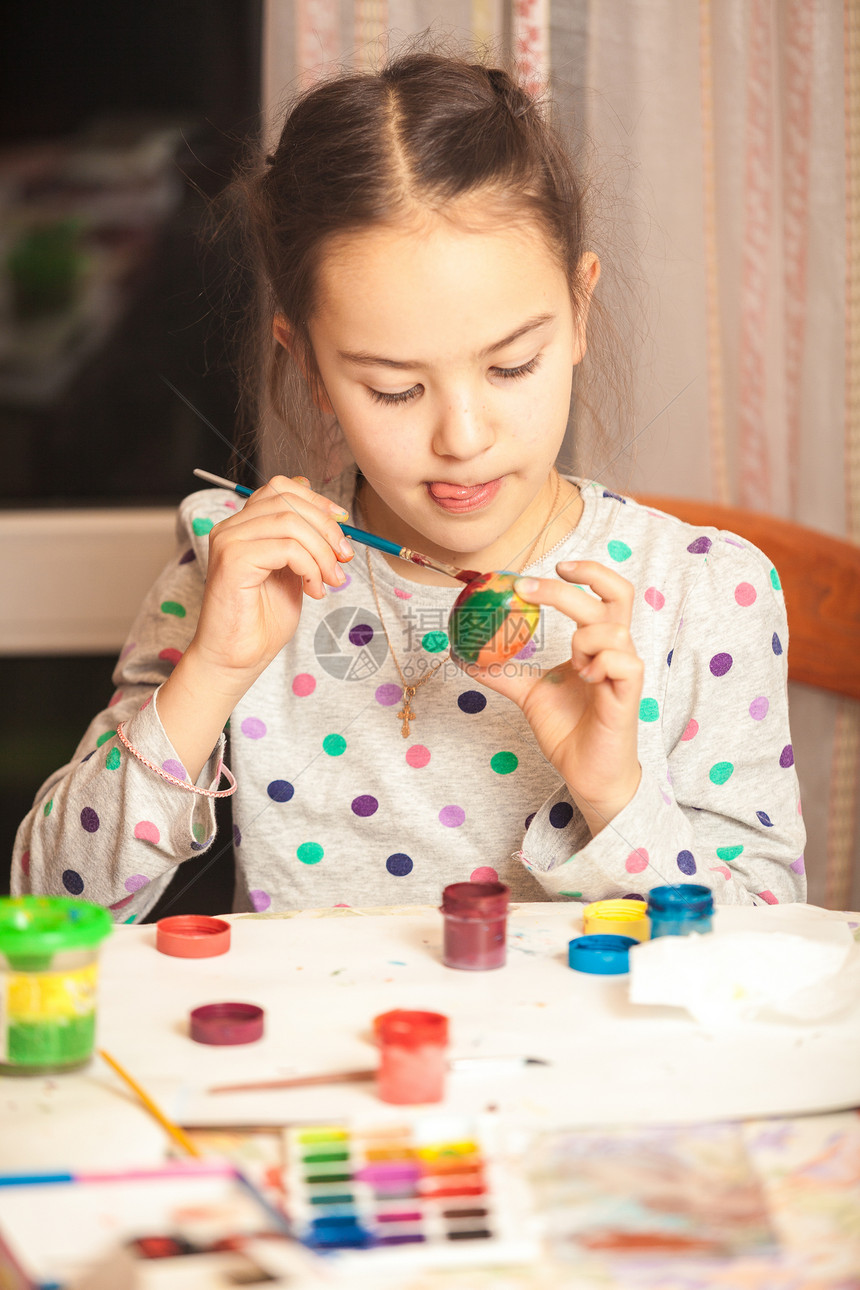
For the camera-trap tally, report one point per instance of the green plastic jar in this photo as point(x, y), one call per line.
point(49, 948)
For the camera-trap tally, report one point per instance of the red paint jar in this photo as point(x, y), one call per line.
point(413, 1056)
point(475, 916)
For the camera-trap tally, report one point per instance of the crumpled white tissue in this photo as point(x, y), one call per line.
point(808, 970)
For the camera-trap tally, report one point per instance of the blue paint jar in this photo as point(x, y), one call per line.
point(680, 909)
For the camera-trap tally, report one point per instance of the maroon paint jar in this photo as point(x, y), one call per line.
point(475, 915)
point(413, 1056)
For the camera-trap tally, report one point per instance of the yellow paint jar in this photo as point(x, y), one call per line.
point(617, 918)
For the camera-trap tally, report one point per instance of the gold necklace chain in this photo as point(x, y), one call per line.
point(406, 713)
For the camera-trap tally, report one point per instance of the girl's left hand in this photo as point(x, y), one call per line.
point(585, 711)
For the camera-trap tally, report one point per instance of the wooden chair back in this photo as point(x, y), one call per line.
point(820, 576)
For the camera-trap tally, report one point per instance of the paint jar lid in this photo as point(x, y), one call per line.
point(682, 899)
point(601, 955)
point(34, 928)
point(192, 936)
point(226, 1023)
point(476, 899)
point(406, 1029)
point(617, 918)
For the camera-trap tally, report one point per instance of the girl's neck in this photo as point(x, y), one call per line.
point(554, 513)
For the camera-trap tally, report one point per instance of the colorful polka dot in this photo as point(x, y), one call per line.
point(720, 772)
point(686, 862)
point(472, 701)
point(669, 658)
point(280, 790)
point(146, 831)
point(417, 756)
point(48, 807)
point(721, 868)
point(170, 655)
point(452, 816)
point(25, 863)
point(303, 685)
point(189, 555)
point(574, 895)
point(619, 551)
point(434, 642)
point(786, 757)
point(654, 598)
point(399, 865)
point(649, 710)
point(529, 818)
point(173, 607)
point(776, 645)
point(484, 873)
point(690, 731)
point(113, 759)
point(528, 651)
point(121, 904)
point(768, 897)
point(720, 664)
point(560, 815)
point(174, 768)
point(637, 861)
point(135, 882)
point(798, 866)
point(334, 745)
point(260, 900)
point(388, 694)
point(89, 820)
point(237, 836)
point(729, 853)
point(404, 595)
point(253, 728)
point(343, 585)
point(700, 545)
point(361, 634)
point(310, 852)
point(115, 698)
point(364, 805)
point(503, 763)
point(201, 526)
point(103, 738)
point(759, 708)
point(764, 819)
point(73, 882)
point(745, 594)
point(774, 580)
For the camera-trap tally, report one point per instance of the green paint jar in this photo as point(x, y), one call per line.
point(49, 947)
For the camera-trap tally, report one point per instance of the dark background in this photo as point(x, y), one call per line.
point(99, 426)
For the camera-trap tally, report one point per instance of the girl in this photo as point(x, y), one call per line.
point(421, 237)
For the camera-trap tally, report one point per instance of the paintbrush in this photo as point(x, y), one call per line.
point(483, 1065)
point(367, 539)
point(177, 1134)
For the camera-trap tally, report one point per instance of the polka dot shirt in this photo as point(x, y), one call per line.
point(336, 807)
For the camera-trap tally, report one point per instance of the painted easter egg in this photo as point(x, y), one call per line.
point(489, 622)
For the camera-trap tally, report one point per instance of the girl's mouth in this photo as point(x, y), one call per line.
point(458, 499)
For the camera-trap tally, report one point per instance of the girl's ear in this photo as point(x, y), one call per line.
point(588, 272)
point(285, 336)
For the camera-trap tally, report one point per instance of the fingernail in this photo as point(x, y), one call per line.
point(567, 565)
point(525, 586)
point(338, 512)
point(345, 549)
point(300, 479)
point(339, 576)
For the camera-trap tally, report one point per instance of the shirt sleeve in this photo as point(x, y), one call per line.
point(718, 803)
point(106, 827)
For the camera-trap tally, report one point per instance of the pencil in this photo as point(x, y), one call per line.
point(179, 1137)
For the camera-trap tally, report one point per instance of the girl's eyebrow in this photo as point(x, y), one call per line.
point(363, 359)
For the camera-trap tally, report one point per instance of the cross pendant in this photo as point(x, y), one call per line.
point(406, 714)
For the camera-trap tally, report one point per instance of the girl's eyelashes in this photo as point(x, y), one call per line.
point(524, 369)
point(406, 396)
point(402, 396)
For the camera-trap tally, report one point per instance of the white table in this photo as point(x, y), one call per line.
point(321, 978)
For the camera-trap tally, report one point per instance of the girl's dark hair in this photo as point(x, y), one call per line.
point(366, 149)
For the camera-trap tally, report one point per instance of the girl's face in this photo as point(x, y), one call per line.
point(447, 355)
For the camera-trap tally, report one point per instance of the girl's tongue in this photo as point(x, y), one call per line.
point(458, 491)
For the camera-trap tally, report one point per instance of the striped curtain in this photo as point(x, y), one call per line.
point(726, 144)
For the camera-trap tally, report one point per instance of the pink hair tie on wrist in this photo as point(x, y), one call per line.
point(174, 779)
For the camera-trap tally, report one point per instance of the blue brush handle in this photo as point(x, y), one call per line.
point(371, 539)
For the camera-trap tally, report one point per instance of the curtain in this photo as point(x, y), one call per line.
point(725, 142)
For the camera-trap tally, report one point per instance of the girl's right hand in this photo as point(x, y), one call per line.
point(284, 542)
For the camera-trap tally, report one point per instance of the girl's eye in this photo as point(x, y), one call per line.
point(402, 396)
point(512, 373)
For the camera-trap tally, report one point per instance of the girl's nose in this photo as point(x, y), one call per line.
point(462, 429)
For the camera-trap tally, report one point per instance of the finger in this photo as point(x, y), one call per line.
point(572, 601)
point(615, 591)
point(272, 537)
point(625, 671)
point(272, 503)
point(296, 489)
point(589, 641)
